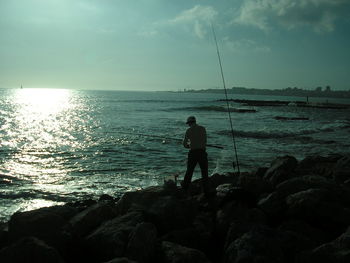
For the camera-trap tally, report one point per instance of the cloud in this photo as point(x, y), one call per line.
point(197, 18)
point(320, 15)
point(245, 45)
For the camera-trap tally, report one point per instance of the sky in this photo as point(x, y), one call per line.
point(169, 44)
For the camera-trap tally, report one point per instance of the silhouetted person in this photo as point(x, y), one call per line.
point(196, 140)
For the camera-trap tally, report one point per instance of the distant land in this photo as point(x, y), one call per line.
point(298, 92)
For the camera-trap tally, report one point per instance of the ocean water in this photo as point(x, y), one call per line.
point(62, 145)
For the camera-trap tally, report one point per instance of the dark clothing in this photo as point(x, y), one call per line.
point(195, 137)
point(196, 156)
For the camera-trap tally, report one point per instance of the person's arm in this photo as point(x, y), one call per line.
point(205, 137)
point(185, 141)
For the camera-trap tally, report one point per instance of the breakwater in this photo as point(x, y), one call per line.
point(290, 211)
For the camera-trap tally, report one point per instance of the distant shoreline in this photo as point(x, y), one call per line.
point(296, 92)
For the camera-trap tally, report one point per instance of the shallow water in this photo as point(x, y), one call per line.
point(62, 145)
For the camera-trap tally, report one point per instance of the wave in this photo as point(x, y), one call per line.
point(333, 127)
point(257, 134)
point(278, 135)
point(213, 108)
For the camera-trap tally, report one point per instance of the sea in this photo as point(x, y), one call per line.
point(64, 145)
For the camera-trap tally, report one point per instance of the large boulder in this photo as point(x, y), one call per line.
point(337, 251)
point(313, 181)
point(341, 171)
point(142, 243)
point(312, 236)
point(243, 223)
point(29, 249)
point(121, 260)
point(260, 244)
point(254, 184)
point(45, 223)
point(165, 210)
point(275, 206)
point(317, 165)
point(229, 192)
point(281, 169)
point(320, 207)
point(236, 212)
point(3, 235)
point(90, 218)
point(110, 240)
point(169, 213)
point(188, 237)
point(174, 253)
point(142, 199)
point(227, 214)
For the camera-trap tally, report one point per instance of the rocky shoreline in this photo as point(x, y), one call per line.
point(292, 211)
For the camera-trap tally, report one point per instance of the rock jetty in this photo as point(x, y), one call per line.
point(292, 211)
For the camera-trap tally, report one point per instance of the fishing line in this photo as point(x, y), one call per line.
point(165, 138)
point(227, 104)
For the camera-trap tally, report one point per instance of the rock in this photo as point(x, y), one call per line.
point(252, 218)
point(347, 183)
point(29, 249)
point(106, 197)
point(188, 237)
point(217, 179)
point(260, 172)
point(317, 165)
point(166, 212)
point(82, 204)
point(260, 244)
point(290, 212)
point(313, 236)
point(205, 226)
point(213, 182)
point(279, 167)
point(87, 220)
point(306, 182)
point(142, 199)
point(337, 251)
point(320, 207)
point(311, 181)
point(174, 253)
point(4, 236)
point(234, 211)
point(341, 171)
point(274, 205)
point(280, 176)
point(44, 223)
point(121, 260)
point(110, 239)
point(142, 243)
point(229, 192)
point(169, 213)
point(254, 184)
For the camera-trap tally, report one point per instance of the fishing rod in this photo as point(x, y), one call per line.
point(227, 104)
point(166, 138)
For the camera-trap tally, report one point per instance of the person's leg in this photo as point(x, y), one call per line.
point(191, 164)
point(203, 164)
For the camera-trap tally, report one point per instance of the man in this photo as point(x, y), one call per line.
point(196, 140)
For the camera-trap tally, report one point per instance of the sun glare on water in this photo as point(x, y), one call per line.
point(42, 102)
point(38, 126)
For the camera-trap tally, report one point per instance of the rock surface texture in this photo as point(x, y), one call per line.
point(293, 212)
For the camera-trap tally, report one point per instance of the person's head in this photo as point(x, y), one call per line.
point(191, 120)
